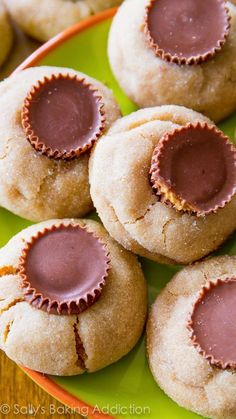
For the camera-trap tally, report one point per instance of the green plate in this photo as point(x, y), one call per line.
point(125, 389)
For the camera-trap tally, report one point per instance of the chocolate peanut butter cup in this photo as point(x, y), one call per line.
point(63, 116)
point(64, 269)
point(186, 31)
point(212, 323)
point(194, 169)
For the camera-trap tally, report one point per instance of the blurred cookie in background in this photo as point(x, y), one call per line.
point(6, 38)
point(43, 20)
point(98, 5)
point(23, 46)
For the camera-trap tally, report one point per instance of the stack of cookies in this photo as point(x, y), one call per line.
point(163, 182)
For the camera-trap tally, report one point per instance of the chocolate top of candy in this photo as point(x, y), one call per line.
point(194, 168)
point(187, 31)
point(64, 269)
point(62, 116)
point(212, 323)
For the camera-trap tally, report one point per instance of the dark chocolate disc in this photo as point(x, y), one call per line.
point(64, 269)
point(212, 323)
point(62, 116)
point(194, 168)
point(187, 31)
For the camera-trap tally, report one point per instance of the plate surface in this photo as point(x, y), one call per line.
point(125, 389)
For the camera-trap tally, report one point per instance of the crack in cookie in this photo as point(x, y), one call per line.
point(164, 228)
point(141, 217)
point(11, 304)
point(81, 354)
point(133, 244)
point(7, 331)
point(6, 149)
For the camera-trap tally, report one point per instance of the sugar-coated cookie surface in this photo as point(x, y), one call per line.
point(149, 80)
point(105, 331)
point(6, 38)
point(35, 186)
point(122, 194)
point(43, 20)
point(179, 369)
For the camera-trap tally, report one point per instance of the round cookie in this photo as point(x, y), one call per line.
point(6, 39)
point(177, 366)
point(43, 20)
point(64, 343)
point(119, 172)
point(207, 87)
point(33, 185)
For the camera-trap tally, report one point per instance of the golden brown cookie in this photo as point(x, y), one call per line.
point(6, 31)
point(43, 20)
point(187, 372)
point(151, 222)
point(66, 287)
point(47, 131)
